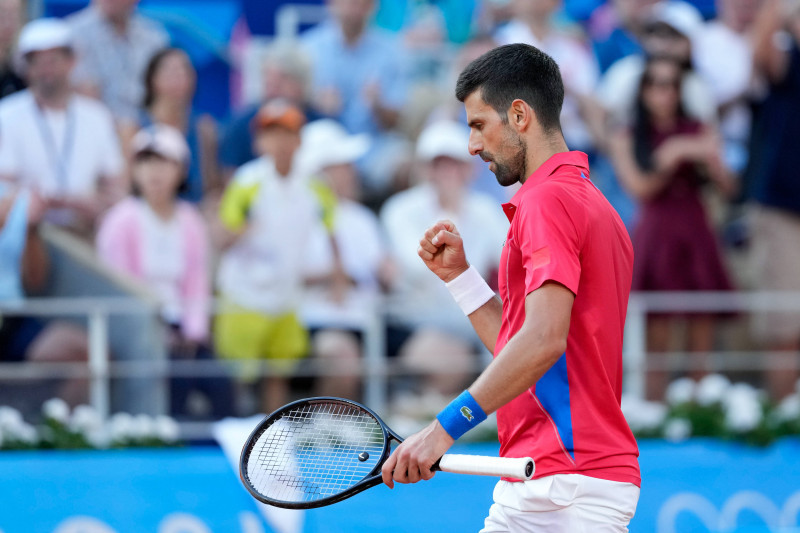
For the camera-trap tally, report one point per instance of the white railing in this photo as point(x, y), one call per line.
point(642, 303)
point(375, 368)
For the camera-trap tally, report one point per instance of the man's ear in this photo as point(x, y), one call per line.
point(520, 115)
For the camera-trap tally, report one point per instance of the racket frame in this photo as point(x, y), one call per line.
point(372, 479)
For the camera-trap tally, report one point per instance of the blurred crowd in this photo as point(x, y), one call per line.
point(300, 215)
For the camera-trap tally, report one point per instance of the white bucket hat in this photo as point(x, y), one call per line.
point(44, 34)
point(444, 138)
point(163, 140)
point(325, 143)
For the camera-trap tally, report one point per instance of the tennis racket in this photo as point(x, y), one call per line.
point(319, 451)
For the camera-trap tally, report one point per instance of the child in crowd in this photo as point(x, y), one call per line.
point(161, 240)
point(269, 210)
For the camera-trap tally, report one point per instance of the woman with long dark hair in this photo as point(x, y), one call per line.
point(664, 161)
point(170, 81)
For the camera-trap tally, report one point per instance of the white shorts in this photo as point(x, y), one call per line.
point(563, 503)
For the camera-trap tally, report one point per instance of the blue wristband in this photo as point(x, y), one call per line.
point(461, 415)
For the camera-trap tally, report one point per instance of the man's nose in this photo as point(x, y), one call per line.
point(475, 144)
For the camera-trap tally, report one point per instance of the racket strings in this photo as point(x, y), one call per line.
point(312, 452)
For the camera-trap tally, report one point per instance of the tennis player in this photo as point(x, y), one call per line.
point(565, 276)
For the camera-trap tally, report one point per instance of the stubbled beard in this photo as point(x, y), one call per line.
point(512, 171)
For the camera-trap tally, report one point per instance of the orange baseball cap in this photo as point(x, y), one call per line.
point(279, 113)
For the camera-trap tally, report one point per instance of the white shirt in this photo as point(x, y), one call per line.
point(724, 59)
point(264, 269)
point(362, 250)
point(163, 260)
point(579, 71)
point(59, 154)
point(420, 298)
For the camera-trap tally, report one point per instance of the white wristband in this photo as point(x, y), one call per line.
point(469, 290)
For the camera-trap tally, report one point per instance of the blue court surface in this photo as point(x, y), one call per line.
point(700, 486)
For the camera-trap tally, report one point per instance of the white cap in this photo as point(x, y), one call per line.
point(163, 140)
point(325, 143)
point(681, 16)
point(444, 138)
point(44, 34)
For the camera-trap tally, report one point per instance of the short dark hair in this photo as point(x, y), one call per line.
point(516, 71)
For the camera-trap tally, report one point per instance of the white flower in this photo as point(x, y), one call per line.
point(678, 429)
point(711, 389)
point(10, 417)
point(98, 437)
point(680, 391)
point(85, 419)
point(121, 427)
point(643, 415)
point(27, 433)
point(789, 408)
point(143, 427)
point(56, 409)
point(166, 429)
point(743, 411)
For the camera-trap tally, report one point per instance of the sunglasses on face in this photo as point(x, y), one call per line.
point(662, 82)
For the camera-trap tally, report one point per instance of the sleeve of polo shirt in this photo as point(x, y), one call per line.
point(234, 207)
point(549, 242)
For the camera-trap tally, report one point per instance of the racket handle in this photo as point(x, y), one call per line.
point(518, 468)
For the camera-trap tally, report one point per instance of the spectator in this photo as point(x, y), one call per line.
point(616, 29)
point(328, 153)
point(424, 319)
point(114, 44)
point(581, 115)
point(360, 78)
point(286, 76)
point(670, 31)
point(155, 237)
point(24, 269)
point(723, 56)
point(774, 187)
point(59, 144)
point(10, 24)
point(169, 84)
point(269, 211)
point(659, 162)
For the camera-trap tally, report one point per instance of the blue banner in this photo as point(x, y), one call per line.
point(697, 487)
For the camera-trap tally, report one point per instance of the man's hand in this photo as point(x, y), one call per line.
point(442, 250)
point(413, 459)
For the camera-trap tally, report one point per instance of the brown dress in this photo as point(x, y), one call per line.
point(674, 245)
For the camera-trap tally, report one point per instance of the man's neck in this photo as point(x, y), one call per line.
point(538, 157)
point(56, 99)
point(172, 113)
point(539, 27)
point(352, 34)
point(119, 23)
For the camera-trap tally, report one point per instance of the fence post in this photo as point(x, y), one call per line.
point(375, 380)
point(635, 347)
point(98, 362)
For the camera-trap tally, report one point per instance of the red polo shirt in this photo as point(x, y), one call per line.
point(564, 230)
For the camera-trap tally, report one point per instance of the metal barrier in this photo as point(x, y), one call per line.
point(375, 368)
point(642, 303)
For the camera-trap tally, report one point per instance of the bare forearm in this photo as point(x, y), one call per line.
point(35, 262)
point(517, 368)
point(486, 321)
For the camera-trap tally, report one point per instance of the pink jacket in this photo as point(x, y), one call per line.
point(119, 244)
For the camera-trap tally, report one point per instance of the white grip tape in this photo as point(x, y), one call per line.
point(518, 468)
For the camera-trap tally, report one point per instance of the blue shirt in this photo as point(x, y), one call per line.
point(13, 236)
point(376, 58)
point(772, 172)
